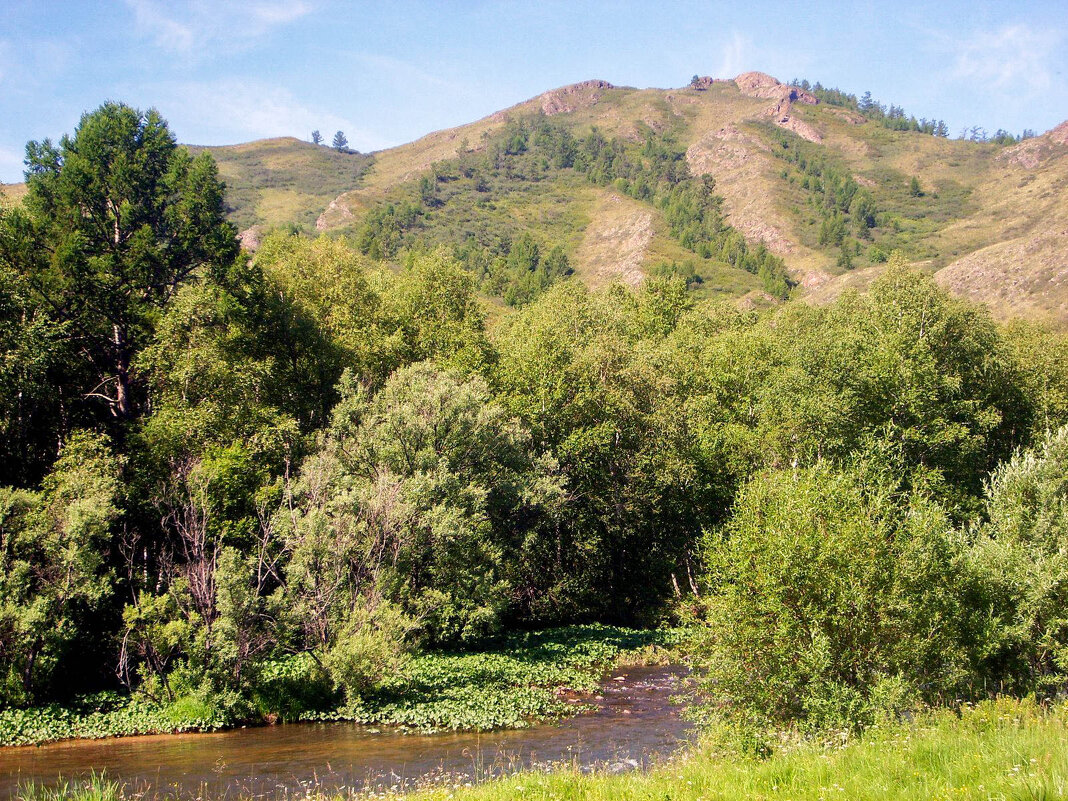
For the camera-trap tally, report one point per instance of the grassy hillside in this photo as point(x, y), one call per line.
point(274, 182)
point(987, 217)
point(12, 193)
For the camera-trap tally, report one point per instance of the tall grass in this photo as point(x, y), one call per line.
point(1006, 749)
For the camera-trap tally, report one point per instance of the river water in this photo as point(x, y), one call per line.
point(634, 724)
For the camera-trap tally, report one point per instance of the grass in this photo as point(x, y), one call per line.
point(998, 750)
point(1004, 750)
point(276, 182)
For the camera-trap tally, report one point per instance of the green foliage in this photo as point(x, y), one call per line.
point(53, 573)
point(105, 714)
point(905, 370)
point(892, 117)
point(317, 466)
point(833, 196)
point(123, 217)
point(433, 479)
point(35, 356)
point(1041, 357)
point(587, 374)
point(437, 315)
point(510, 686)
point(833, 601)
point(1021, 557)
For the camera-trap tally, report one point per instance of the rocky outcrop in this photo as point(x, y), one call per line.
point(782, 116)
point(1032, 152)
point(337, 213)
point(1059, 135)
point(568, 99)
point(250, 238)
point(763, 86)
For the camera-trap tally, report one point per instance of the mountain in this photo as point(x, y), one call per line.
point(825, 183)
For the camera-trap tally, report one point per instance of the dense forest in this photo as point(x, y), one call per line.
point(312, 462)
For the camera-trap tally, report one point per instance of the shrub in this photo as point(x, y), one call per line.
point(1020, 557)
point(834, 601)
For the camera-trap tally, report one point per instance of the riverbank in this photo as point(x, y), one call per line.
point(521, 679)
point(634, 722)
point(1006, 749)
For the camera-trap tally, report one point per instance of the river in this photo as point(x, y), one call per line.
point(634, 723)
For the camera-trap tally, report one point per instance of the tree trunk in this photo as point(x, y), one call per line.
point(122, 407)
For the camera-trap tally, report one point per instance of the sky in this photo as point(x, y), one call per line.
point(387, 72)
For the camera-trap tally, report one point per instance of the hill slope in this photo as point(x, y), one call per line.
point(788, 168)
point(828, 189)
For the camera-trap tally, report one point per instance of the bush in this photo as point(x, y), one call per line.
point(294, 685)
point(1020, 557)
point(834, 601)
point(371, 648)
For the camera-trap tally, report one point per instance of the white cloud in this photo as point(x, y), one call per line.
point(232, 110)
point(1015, 57)
point(405, 73)
point(737, 56)
point(192, 27)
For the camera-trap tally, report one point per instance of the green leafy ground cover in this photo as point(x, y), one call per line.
point(95, 716)
point(508, 687)
point(516, 682)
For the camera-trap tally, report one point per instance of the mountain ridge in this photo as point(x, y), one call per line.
point(985, 218)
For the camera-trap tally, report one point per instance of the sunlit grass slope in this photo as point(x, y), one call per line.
point(274, 182)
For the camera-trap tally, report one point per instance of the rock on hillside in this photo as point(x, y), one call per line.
point(764, 86)
point(1032, 152)
point(568, 99)
point(760, 84)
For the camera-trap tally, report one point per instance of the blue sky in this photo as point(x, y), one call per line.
point(387, 72)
